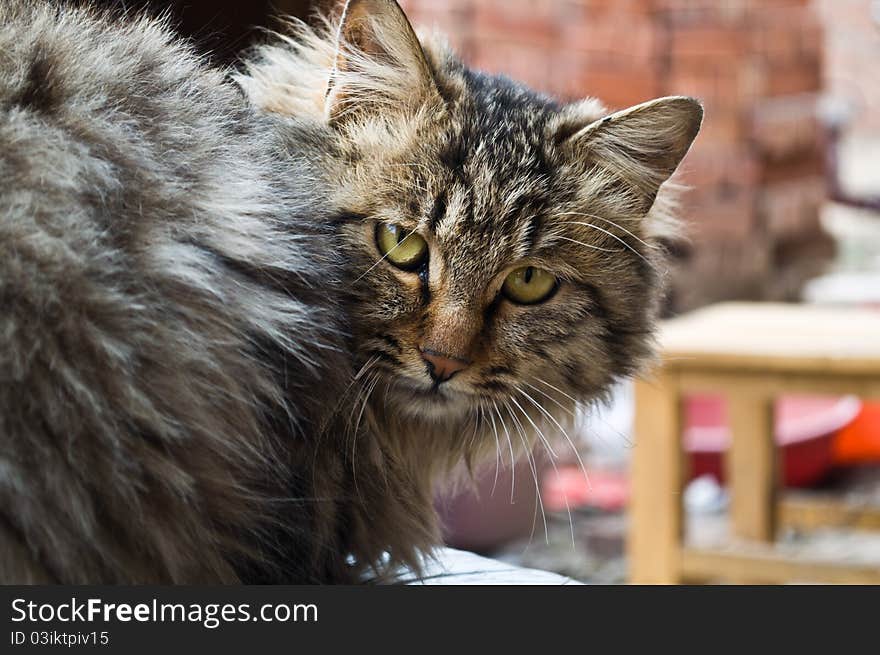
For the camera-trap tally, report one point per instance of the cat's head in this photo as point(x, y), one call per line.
point(502, 246)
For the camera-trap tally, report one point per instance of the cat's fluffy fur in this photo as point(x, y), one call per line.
point(167, 330)
point(207, 372)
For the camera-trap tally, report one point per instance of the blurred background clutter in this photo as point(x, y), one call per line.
point(784, 206)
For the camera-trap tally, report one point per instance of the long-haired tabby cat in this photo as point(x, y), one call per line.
point(249, 321)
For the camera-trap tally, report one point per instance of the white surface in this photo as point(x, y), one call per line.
point(459, 567)
point(852, 288)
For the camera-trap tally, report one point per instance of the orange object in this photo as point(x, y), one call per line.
point(859, 442)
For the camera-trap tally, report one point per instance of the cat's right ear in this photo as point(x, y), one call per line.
point(379, 62)
point(640, 146)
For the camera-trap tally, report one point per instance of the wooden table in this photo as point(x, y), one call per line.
point(750, 353)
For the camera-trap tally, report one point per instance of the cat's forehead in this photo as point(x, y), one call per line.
point(493, 157)
point(498, 127)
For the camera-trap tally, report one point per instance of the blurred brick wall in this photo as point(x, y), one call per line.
point(756, 170)
point(852, 56)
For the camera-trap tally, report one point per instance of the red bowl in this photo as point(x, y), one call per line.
point(805, 427)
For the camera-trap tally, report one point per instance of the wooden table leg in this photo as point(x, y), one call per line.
point(752, 467)
point(655, 533)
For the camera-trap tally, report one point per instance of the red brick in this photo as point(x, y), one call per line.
point(706, 12)
point(800, 77)
point(718, 83)
point(809, 164)
point(790, 208)
point(689, 43)
point(723, 127)
point(784, 36)
point(532, 64)
point(786, 127)
point(530, 20)
point(711, 167)
point(620, 89)
point(716, 220)
point(603, 8)
point(619, 38)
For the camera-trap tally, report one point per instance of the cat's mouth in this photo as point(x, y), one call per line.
point(428, 399)
point(427, 391)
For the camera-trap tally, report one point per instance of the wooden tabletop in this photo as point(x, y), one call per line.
point(774, 337)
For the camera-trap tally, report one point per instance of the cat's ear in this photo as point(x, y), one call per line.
point(379, 62)
point(641, 146)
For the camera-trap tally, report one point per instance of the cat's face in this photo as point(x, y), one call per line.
point(498, 245)
point(473, 271)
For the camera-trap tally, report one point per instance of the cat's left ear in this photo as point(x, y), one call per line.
point(379, 62)
point(642, 145)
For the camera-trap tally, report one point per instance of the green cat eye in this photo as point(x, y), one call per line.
point(529, 285)
point(407, 251)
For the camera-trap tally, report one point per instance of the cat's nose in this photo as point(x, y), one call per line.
point(442, 367)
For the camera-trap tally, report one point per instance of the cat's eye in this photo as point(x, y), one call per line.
point(406, 250)
point(529, 285)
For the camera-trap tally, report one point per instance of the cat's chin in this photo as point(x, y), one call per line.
point(424, 401)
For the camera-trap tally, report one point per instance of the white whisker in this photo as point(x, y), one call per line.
point(556, 389)
point(588, 245)
point(382, 258)
point(371, 381)
point(565, 409)
point(497, 451)
point(617, 238)
point(510, 445)
point(552, 459)
point(541, 436)
point(615, 224)
point(565, 434)
point(534, 466)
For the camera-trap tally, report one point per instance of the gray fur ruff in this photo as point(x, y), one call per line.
point(166, 315)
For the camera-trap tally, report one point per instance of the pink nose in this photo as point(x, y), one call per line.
point(442, 367)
